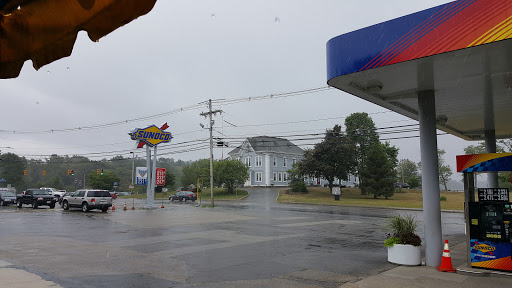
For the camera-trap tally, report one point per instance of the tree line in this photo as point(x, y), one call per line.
point(53, 172)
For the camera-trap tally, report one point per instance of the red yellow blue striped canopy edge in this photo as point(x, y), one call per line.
point(456, 25)
point(491, 162)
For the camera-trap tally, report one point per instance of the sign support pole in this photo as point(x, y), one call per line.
point(153, 176)
point(149, 196)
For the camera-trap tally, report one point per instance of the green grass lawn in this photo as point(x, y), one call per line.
point(409, 198)
point(218, 194)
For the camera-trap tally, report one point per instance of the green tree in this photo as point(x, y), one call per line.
point(407, 171)
point(105, 181)
point(53, 182)
point(230, 173)
point(170, 180)
point(445, 172)
point(380, 176)
point(507, 143)
point(12, 167)
point(199, 169)
point(361, 130)
point(332, 158)
point(480, 149)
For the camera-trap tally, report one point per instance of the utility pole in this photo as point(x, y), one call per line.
point(210, 113)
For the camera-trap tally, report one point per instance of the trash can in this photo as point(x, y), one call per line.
point(337, 197)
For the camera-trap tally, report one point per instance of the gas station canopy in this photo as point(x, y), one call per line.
point(461, 50)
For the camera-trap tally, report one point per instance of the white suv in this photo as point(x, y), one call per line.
point(88, 199)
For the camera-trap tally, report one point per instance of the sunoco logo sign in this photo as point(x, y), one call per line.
point(152, 135)
point(484, 248)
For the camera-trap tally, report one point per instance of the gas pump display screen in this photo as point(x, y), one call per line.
point(493, 194)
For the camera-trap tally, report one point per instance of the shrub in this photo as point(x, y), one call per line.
point(443, 198)
point(411, 238)
point(391, 241)
point(299, 186)
point(403, 228)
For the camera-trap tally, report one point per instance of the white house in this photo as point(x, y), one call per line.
point(268, 159)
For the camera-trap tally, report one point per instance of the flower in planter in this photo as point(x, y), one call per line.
point(403, 231)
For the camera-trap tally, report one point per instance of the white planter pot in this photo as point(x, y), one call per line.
point(404, 254)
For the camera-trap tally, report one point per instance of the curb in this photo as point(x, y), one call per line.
point(365, 206)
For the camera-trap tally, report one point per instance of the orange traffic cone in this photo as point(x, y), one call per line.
point(446, 261)
point(113, 207)
point(124, 206)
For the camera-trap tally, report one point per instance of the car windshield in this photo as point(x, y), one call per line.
point(40, 192)
point(7, 194)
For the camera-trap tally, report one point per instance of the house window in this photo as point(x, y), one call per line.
point(274, 176)
point(258, 177)
point(258, 161)
point(285, 176)
point(275, 161)
point(294, 161)
point(280, 177)
point(284, 162)
point(248, 161)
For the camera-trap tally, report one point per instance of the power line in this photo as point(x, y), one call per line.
point(174, 111)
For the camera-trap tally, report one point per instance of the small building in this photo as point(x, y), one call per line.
point(268, 158)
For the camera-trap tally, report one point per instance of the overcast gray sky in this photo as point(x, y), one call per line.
point(186, 52)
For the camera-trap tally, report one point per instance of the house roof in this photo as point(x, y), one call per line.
point(270, 144)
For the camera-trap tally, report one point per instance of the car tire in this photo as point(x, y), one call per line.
point(104, 209)
point(184, 199)
point(52, 206)
point(85, 207)
point(34, 205)
point(172, 199)
point(1, 202)
point(65, 205)
point(19, 204)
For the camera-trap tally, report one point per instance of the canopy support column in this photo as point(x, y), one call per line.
point(489, 128)
point(430, 178)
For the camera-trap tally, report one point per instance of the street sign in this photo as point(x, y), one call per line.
point(336, 191)
point(160, 176)
point(152, 135)
point(131, 186)
point(142, 175)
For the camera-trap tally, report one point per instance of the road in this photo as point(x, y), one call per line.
point(250, 243)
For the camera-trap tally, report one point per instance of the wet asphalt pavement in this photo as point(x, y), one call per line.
point(250, 243)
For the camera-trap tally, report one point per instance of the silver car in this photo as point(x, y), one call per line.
point(88, 199)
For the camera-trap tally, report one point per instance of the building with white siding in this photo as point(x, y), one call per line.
point(268, 158)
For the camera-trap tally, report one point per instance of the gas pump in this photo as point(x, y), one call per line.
point(488, 220)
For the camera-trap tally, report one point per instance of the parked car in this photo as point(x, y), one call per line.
point(61, 198)
point(335, 185)
point(88, 199)
point(7, 198)
point(123, 193)
point(183, 196)
point(402, 185)
point(36, 198)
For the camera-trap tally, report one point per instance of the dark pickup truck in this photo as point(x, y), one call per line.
point(36, 198)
